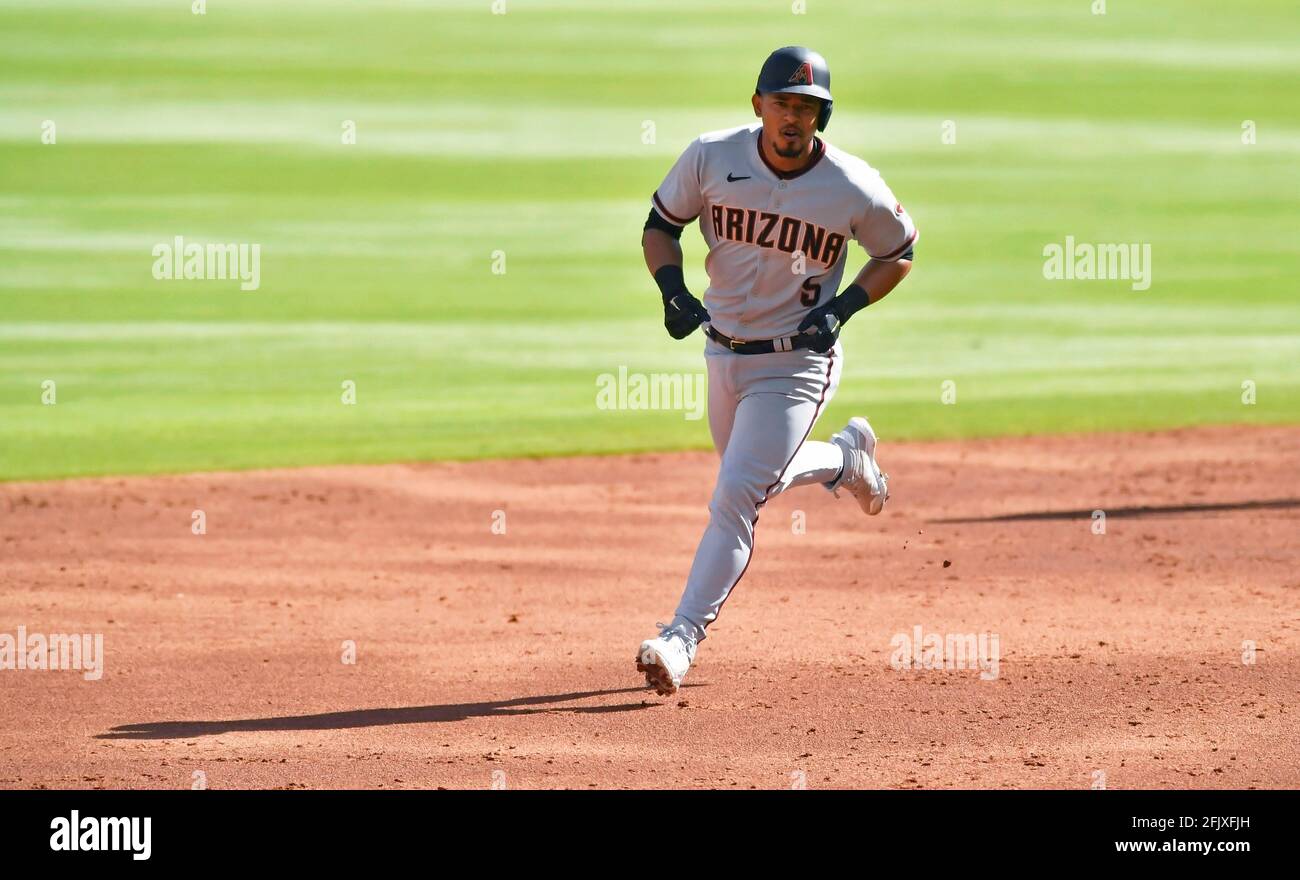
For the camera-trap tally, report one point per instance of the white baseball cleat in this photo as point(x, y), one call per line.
point(665, 659)
point(861, 475)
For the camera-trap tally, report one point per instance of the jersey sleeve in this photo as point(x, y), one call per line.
point(883, 228)
point(678, 199)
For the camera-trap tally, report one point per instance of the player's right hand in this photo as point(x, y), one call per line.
point(682, 314)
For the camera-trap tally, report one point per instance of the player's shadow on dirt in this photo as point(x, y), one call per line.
point(375, 717)
point(1112, 512)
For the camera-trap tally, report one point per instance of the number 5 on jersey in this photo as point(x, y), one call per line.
point(810, 292)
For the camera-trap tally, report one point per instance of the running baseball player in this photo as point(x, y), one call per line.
point(777, 206)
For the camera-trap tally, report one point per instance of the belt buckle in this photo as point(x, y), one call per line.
point(733, 343)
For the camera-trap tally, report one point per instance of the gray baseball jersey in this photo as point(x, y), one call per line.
point(777, 240)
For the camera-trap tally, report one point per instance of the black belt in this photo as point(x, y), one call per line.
point(759, 346)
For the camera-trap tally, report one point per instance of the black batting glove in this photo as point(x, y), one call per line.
point(824, 322)
point(682, 312)
point(823, 325)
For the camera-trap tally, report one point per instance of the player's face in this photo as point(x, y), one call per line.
point(789, 122)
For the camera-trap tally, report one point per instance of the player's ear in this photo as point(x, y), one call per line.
point(758, 104)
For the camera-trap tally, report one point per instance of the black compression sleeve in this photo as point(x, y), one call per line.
point(655, 221)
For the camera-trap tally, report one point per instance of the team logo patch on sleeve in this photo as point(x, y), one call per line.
point(898, 209)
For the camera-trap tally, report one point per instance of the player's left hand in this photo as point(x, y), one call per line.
point(824, 324)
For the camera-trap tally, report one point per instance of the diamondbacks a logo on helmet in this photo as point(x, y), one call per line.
point(803, 74)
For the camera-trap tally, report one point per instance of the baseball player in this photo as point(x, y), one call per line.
point(777, 206)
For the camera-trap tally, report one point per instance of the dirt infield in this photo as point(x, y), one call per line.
point(485, 658)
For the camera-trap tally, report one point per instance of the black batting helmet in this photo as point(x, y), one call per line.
point(801, 71)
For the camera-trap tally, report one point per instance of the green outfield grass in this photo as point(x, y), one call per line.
point(523, 133)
